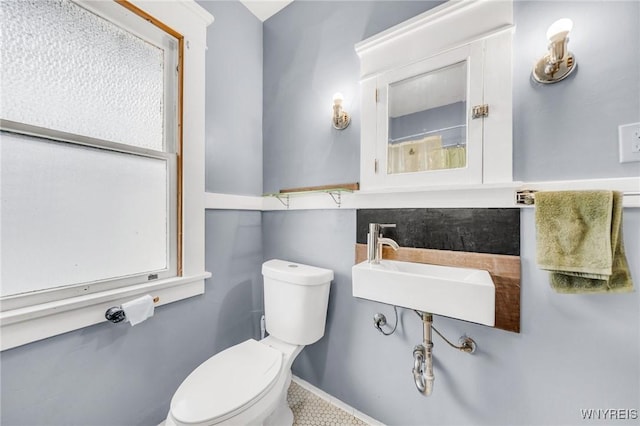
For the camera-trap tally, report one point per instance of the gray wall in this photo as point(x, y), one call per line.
point(115, 374)
point(577, 119)
point(574, 352)
point(234, 100)
point(121, 375)
point(308, 56)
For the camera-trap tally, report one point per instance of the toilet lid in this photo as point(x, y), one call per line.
point(226, 382)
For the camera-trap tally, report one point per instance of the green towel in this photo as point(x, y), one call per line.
point(579, 239)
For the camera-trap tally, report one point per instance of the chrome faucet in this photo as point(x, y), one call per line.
point(375, 241)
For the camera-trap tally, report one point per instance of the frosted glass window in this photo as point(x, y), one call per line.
point(88, 164)
point(72, 214)
point(67, 69)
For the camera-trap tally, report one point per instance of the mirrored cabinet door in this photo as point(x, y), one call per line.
point(426, 135)
point(427, 124)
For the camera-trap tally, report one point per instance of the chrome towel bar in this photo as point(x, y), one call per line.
point(528, 196)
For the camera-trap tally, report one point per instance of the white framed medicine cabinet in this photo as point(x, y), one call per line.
point(436, 99)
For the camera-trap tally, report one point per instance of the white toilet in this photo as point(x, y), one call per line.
point(247, 384)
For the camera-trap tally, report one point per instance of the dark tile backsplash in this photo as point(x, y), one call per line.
point(494, 230)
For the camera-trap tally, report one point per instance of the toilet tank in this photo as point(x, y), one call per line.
point(295, 301)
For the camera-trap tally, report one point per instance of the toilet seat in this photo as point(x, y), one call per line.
point(227, 383)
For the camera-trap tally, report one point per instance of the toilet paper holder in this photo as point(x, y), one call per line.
point(116, 314)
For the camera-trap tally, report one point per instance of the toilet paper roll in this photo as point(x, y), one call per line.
point(138, 309)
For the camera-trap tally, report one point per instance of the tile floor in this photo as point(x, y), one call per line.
point(311, 410)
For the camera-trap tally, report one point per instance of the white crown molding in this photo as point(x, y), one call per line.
point(403, 44)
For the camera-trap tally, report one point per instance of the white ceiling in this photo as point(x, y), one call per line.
point(264, 9)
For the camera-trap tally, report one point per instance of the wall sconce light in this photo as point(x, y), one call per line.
point(340, 118)
point(559, 63)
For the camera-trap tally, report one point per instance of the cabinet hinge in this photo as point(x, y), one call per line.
point(480, 111)
point(375, 165)
point(377, 95)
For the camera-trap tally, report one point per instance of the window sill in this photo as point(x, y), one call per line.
point(26, 325)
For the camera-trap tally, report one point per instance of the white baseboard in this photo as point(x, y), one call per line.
point(335, 401)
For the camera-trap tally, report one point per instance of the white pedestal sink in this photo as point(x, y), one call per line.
point(462, 293)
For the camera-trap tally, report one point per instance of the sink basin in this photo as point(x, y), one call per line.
point(462, 293)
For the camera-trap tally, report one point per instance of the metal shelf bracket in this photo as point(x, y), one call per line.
point(337, 197)
point(284, 199)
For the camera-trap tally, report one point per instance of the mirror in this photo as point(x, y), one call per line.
point(428, 121)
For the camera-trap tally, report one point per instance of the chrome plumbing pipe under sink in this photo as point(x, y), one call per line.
point(423, 359)
point(423, 354)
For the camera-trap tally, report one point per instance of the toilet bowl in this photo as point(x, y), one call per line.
point(247, 384)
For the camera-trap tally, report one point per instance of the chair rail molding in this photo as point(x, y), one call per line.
point(481, 196)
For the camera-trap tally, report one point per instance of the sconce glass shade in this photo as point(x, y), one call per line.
point(340, 119)
point(558, 63)
point(560, 29)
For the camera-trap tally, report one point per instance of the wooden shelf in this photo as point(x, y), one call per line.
point(334, 191)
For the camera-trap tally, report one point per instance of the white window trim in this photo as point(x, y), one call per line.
point(29, 324)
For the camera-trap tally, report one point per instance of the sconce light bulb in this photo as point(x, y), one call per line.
point(559, 29)
point(340, 117)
